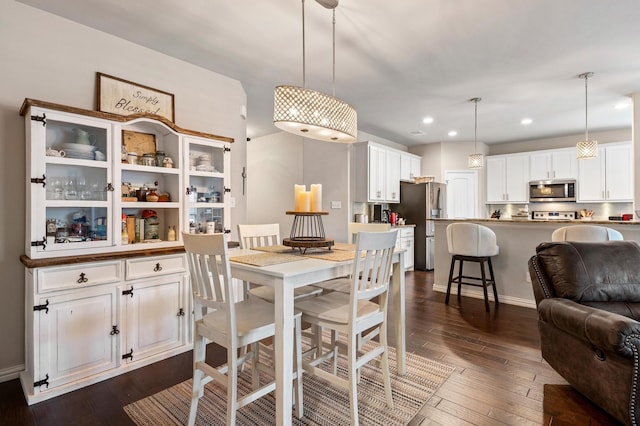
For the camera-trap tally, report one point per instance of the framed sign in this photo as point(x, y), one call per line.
point(122, 97)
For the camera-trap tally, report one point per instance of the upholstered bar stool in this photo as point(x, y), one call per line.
point(471, 242)
point(586, 233)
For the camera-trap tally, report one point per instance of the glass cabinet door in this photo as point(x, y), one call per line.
point(207, 163)
point(70, 183)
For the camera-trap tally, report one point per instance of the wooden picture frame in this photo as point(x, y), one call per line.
point(122, 97)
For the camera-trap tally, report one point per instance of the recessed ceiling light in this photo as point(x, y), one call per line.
point(452, 133)
point(416, 132)
point(427, 120)
point(526, 121)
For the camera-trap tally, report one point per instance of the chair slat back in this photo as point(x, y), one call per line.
point(259, 235)
point(372, 271)
point(210, 273)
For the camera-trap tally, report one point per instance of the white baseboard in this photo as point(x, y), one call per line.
point(478, 294)
point(11, 373)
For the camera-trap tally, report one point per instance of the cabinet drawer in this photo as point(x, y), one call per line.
point(154, 266)
point(78, 276)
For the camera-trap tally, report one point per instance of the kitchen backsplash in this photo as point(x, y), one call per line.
point(601, 211)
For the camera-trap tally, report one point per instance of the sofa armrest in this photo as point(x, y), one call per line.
point(603, 329)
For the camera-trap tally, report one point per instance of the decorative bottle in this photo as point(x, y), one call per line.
point(171, 234)
point(124, 236)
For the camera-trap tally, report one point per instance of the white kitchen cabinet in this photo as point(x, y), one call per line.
point(553, 164)
point(78, 193)
point(154, 315)
point(376, 173)
point(608, 177)
point(409, 166)
point(507, 179)
point(96, 304)
point(392, 178)
point(86, 322)
point(406, 241)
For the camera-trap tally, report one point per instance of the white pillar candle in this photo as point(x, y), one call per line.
point(304, 204)
point(297, 191)
point(316, 197)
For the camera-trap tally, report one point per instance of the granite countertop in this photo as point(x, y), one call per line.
point(531, 221)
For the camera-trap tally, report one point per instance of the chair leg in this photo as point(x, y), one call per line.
point(334, 348)
point(493, 282)
point(199, 354)
point(384, 361)
point(299, 411)
point(255, 360)
point(232, 385)
point(484, 286)
point(352, 354)
point(460, 278)
point(453, 264)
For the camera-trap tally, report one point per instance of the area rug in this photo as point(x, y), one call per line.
point(324, 403)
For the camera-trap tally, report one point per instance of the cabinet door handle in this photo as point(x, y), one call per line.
point(157, 268)
point(83, 278)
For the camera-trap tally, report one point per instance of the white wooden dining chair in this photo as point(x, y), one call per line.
point(261, 235)
point(355, 314)
point(230, 325)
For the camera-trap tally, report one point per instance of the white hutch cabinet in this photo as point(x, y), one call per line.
point(100, 302)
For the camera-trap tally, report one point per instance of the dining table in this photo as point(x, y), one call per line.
point(304, 270)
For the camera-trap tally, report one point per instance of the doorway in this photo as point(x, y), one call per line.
point(462, 193)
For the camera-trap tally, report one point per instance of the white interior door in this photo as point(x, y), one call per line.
point(462, 194)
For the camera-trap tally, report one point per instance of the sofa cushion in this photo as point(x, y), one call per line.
point(593, 271)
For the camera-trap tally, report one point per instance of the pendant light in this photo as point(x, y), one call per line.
point(476, 160)
point(311, 113)
point(586, 148)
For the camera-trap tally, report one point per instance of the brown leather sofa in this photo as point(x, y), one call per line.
point(588, 299)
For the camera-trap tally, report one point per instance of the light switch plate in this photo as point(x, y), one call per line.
point(336, 204)
point(232, 202)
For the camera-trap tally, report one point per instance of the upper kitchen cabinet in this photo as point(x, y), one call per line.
point(98, 182)
point(553, 164)
point(507, 179)
point(609, 177)
point(409, 166)
point(377, 173)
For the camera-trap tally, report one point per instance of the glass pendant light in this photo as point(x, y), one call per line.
point(476, 160)
point(311, 113)
point(586, 148)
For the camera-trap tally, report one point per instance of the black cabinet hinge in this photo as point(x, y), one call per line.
point(114, 330)
point(42, 243)
point(41, 180)
point(44, 381)
point(227, 149)
point(128, 355)
point(181, 312)
point(227, 189)
point(130, 292)
point(109, 187)
point(44, 307)
point(42, 118)
point(227, 231)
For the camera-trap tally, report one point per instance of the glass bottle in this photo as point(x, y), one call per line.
point(171, 234)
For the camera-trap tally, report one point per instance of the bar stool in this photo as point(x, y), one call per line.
point(586, 233)
point(472, 243)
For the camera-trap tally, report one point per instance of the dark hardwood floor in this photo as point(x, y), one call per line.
point(500, 377)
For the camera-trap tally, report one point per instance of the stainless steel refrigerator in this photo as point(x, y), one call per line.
point(419, 204)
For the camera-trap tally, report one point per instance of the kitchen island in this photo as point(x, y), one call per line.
point(517, 240)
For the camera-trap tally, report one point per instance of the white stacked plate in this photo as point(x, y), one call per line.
point(79, 151)
point(80, 155)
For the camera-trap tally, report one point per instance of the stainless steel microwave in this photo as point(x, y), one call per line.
point(548, 191)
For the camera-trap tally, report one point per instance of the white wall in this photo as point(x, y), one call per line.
point(274, 166)
point(609, 136)
point(279, 161)
point(52, 59)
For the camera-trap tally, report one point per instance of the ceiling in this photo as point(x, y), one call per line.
point(400, 61)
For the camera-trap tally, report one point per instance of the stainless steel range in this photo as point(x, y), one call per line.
point(554, 215)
